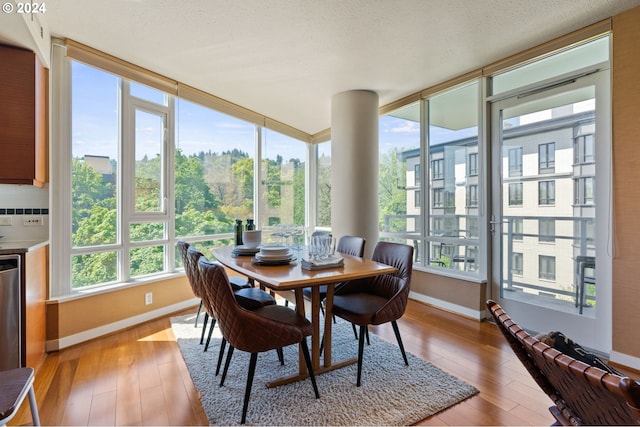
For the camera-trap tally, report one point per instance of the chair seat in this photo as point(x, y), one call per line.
point(322, 289)
point(238, 282)
point(15, 384)
point(253, 298)
point(287, 316)
point(358, 308)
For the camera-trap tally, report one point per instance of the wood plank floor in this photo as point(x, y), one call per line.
point(138, 377)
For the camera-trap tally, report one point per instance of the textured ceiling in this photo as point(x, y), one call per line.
point(287, 58)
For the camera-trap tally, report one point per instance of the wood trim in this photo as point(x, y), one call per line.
point(94, 57)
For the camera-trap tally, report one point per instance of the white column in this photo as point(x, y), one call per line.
point(354, 166)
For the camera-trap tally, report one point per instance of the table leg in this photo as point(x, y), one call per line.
point(328, 323)
point(315, 323)
point(302, 365)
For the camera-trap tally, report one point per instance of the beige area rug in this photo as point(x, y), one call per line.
point(391, 393)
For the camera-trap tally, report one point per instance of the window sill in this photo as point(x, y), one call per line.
point(452, 274)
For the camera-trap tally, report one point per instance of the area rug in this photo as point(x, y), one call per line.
point(391, 393)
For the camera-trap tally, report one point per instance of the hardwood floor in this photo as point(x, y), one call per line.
point(138, 377)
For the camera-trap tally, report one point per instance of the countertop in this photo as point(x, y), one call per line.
point(20, 247)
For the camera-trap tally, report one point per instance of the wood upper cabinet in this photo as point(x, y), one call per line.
point(23, 124)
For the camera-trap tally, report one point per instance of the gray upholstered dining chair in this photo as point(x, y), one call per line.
point(266, 328)
point(379, 299)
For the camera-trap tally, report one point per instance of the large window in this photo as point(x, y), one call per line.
point(323, 185)
point(400, 177)
point(147, 169)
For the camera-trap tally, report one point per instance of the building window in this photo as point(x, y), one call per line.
point(546, 192)
point(546, 230)
point(515, 194)
point(416, 199)
point(547, 267)
point(583, 149)
point(515, 161)
point(472, 164)
point(438, 198)
point(547, 158)
point(416, 174)
point(437, 169)
point(472, 196)
point(584, 191)
point(517, 224)
point(517, 262)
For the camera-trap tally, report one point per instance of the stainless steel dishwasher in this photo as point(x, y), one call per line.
point(10, 303)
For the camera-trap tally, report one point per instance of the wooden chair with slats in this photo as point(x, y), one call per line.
point(582, 394)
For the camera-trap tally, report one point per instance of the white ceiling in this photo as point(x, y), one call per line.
point(286, 58)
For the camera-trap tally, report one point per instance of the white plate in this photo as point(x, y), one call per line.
point(274, 257)
point(274, 250)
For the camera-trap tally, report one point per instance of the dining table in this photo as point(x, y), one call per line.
point(292, 277)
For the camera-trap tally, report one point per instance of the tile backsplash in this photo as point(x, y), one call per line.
point(24, 213)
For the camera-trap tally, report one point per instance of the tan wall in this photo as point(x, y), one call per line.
point(458, 292)
point(66, 318)
point(626, 178)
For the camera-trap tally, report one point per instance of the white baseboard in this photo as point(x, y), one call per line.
point(446, 305)
point(625, 360)
point(64, 342)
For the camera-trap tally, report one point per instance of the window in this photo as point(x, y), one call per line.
point(547, 267)
point(517, 261)
point(584, 191)
point(323, 185)
point(147, 169)
point(213, 170)
point(472, 164)
point(452, 141)
point(472, 196)
point(546, 158)
point(515, 161)
point(583, 149)
point(515, 194)
point(546, 230)
point(518, 227)
point(438, 198)
point(400, 183)
point(282, 181)
point(437, 169)
point(546, 192)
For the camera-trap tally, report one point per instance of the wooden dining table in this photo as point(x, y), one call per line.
point(292, 277)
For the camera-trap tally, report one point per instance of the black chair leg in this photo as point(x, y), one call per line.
point(247, 391)
point(397, 332)
point(280, 356)
point(223, 344)
point(363, 332)
point(307, 359)
point(368, 342)
point(213, 324)
point(226, 365)
point(198, 313)
point(204, 327)
point(355, 332)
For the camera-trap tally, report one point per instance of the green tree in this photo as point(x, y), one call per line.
point(392, 196)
